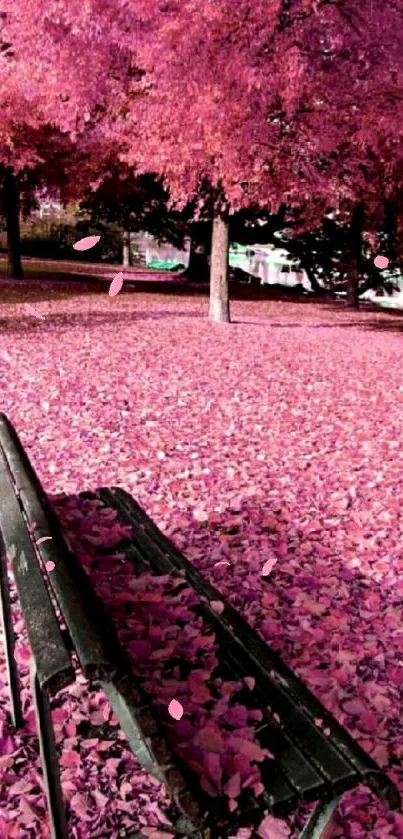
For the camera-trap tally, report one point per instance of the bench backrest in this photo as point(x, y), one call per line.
point(53, 665)
point(337, 758)
point(90, 629)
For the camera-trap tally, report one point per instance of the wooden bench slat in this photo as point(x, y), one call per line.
point(89, 626)
point(301, 774)
point(366, 769)
point(292, 747)
point(281, 793)
point(91, 631)
point(54, 667)
point(336, 774)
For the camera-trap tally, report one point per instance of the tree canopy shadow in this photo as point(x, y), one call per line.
point(288, 625)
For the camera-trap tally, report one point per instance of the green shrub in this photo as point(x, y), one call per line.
point(53, 240)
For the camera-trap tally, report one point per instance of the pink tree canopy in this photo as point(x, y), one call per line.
point(269, 103)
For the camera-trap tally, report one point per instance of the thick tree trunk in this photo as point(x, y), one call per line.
point(355, 249)
point(219, 297)
point(12, 214)
point(127, 256)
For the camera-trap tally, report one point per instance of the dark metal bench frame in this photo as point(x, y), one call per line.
point(63, 615)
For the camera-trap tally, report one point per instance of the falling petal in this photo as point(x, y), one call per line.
point(381, 261)
point(116, 285)
point(86, 243)
point(175, 709)
point(268, 566)
point(221, 562)
point(250, 682)
point(43, 539)
point(50, 565)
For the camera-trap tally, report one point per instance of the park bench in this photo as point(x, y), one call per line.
point(63, 616)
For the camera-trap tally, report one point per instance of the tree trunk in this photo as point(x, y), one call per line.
point(219, 297)
point(307, 266)
point(353, 277)
point(12, 214)
point(390, 230)
point(355, 251)
point(198, 268)
point(127, 256)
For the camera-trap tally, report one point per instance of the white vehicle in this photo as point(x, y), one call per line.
point(272, 265)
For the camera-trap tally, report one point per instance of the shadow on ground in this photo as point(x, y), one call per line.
point(25, 321)
point(289, 619)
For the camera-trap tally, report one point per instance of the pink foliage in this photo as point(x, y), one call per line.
point(284, 104)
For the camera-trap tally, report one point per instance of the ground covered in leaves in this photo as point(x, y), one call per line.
point(277, 437)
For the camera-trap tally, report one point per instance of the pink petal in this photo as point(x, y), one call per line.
point(175, 709)
point(353, 706)
point(381, 261)
point(43, 539)
point(70, 759)
point(217, 606)
point(86, 243)
point(212, 762)
point(250, 682)
point(50, 565)
point(252, 750)
point(233, 787)
point(116, 285)
point(268, 566)
point(271, 828)
point(80, 804)
point(6, 746)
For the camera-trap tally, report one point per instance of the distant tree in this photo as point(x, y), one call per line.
point(48, 52)
point(46, 164)
point(136, 204)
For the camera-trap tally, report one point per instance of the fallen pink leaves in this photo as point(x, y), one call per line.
point(155, 615)
point(322, 386)
point(116, 285)
point(175, 709)
point(86, 243)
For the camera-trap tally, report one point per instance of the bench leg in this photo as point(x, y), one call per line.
point(320, 820)
point(121, 707)
point(50, 762)
point(9, 644)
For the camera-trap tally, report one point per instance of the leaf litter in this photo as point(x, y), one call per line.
point(297, 432)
